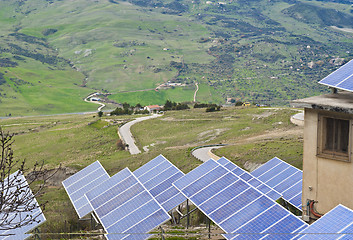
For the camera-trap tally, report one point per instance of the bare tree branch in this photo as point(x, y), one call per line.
point(18, 204)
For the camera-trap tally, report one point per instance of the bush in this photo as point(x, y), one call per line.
point(213, 108)
point(120, 145)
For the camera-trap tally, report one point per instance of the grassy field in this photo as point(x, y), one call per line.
point(55, 53)
point(253, 135)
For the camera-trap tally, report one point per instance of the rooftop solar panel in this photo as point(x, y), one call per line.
point(284, 178)
point(232, 204)
point(125, 208)
point(157, 176)
point(336, 224)
point(342, 78)
point(253, 181)
point(80, 183)
point(21, 215)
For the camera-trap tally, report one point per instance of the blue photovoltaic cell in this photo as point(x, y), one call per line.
point(342, 78)
point(296, 200)
point(37, 214)
point(125, 207)
point(273, 172)
point(81, 182)
point(333, 225)
point(348, 232)
point(265, 167)
point(217, 199)
point(231, 203)
point(77, 176)
point(174, 201)
point(200, 183)
point(262, 222)
point(248, 177)
point(118, 177)
point(157, 176)
point(221, 184)
point(293, 191)
point(289, 182)
point(285, 229)
point(195, 174)
point(347, 84)
point(149, 165)
point(282, 177)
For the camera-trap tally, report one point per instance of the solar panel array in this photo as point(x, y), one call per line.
point(336, 224)
point(80, 183)
point(125, 208)
point(21, 215)
point(284, 178)
point(253, 181)
point(342, 78)
point(157, 176)
point(240, 210)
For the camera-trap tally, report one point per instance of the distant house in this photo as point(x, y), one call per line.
point(153, 108)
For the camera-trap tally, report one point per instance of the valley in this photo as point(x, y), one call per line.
point(54, 53)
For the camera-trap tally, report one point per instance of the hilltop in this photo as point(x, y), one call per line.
point(55, 53)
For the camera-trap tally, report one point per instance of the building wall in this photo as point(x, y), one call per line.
point(328, 181)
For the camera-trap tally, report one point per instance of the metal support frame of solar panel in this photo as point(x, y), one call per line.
point(336, 224)
point(36, 213)
point(284, 178)
point(342, 78)
point(80, 183)
point(239, 209)
point(253, 181)
point(157, 176)
point(125, 208)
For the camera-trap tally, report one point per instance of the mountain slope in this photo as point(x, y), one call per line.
point(266, 52)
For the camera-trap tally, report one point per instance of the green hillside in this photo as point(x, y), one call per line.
point(253, 135)
point(54, 53)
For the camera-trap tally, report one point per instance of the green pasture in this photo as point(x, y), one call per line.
point(178, 94)
point(100, 26)
point(44, 91)
point(75, 141)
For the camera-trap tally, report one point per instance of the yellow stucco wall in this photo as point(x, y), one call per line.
point(331, 181)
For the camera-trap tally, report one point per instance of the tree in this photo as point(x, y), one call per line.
point(17, 201)
point(100, 114)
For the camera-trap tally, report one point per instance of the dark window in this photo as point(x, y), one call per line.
point(337, 135)
point(334, 138)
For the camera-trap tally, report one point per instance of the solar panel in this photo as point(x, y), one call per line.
point(342, 78)
point(80, 183)
point(284, 178)
point(336, 224)
point(125, 208)
point(253, 181)
point(21, 214)
point(235, 206)
point(157, 176)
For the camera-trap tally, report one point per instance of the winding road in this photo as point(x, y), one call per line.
point(126, 135)
point(96, 102)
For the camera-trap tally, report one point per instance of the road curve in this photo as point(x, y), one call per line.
point(96, 102)
point(126, 134)
point(204, 154)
